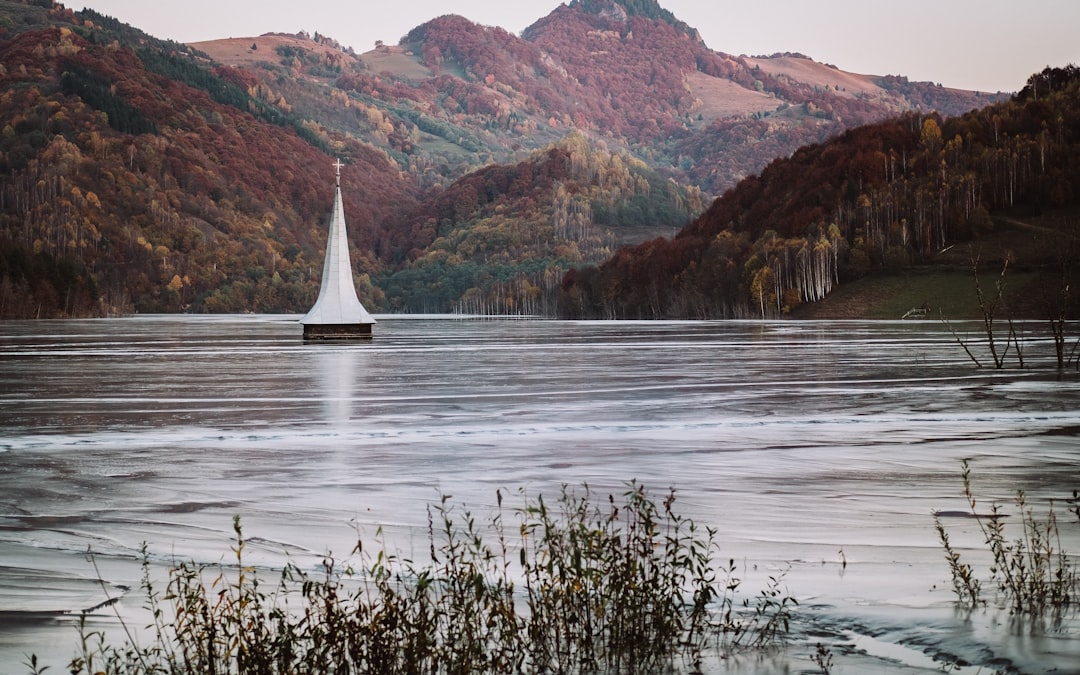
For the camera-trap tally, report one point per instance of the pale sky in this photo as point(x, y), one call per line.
point(984, 45)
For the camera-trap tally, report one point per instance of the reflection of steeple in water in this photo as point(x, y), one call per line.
point(338, 368)
point(337, 314)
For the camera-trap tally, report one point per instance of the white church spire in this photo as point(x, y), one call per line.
point(337, 313)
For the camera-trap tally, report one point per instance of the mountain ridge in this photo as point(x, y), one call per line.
point(153, 202)
point(686, 87)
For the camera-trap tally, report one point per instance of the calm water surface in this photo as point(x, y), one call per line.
point(804, 443)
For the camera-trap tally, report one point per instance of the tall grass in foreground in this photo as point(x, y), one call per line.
point(1029, 568)
point(581, 585)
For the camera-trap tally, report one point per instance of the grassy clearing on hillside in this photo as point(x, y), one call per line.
point(1032, 282)
point(948, 293)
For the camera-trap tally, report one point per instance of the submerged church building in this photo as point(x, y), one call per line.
point(337, 313)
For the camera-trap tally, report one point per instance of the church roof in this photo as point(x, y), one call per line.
point(337, 303)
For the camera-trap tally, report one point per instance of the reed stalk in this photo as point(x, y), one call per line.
point(584, 585)
point(1028, 567)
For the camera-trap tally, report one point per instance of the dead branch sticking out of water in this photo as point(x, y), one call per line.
point(989, 307)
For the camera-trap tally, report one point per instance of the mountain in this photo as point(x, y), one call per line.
point(992, 190)
point(454, 95)
point(500, 239)
point(137, 179)
point(144, 175)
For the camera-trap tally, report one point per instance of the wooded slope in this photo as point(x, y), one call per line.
point(882, 197)
point(142, 175)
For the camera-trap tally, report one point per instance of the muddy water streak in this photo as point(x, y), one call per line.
point(807, 445)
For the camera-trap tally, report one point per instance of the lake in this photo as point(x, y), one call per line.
point(816, 449)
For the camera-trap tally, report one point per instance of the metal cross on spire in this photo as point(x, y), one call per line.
point(337, 165)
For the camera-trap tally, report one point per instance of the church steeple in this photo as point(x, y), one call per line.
point(337, 313)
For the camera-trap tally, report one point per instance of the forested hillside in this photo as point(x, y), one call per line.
point(127, 186)
point(142, 175)
point(885, 196)
point(632, 74)
point(499, 241)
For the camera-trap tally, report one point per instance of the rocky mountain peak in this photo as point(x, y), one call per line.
point(620, 11)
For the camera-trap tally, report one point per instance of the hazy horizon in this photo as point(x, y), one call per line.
point(982, 46)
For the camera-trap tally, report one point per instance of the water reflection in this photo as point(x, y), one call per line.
point(793, 440)
point(339, 368)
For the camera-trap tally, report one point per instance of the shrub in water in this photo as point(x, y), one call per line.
point(582, 585)
point(1031, 571)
